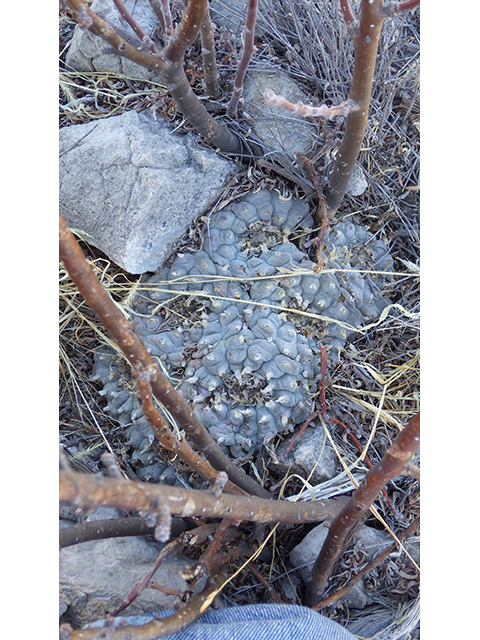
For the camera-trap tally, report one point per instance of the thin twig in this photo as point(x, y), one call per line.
point(130, 20)
point(324, 226)
point(248, 51)
point(299, 434)
point(323, 406)
point(348, 16)
point(158, 627)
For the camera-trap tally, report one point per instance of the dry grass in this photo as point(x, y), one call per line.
point(374, 389)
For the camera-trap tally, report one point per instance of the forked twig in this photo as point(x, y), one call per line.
point(199, 534)
point(158, 627)
point(323, 405)
point(390, 466)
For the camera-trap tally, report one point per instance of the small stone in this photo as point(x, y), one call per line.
point(97, 575)
point(311, 457)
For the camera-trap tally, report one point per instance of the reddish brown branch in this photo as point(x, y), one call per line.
point(390, 466)
point(324, 226)
point(348, 15)
point(129, 19)
point(198, 535)
point(186, 31)
point(113, 528)
point(273, 594)
point(299, 434)
point(145, 581)
point(167, 439)
point(248, 51)
point(208, 56)
point(365, 41)
point(366, 36)
point(396, 8)
point(147, 371)
point(90, 491)
point(368, 462)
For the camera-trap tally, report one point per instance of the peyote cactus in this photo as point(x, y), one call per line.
point(249, 369)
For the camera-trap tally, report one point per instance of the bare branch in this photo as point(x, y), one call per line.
point(366, 37)
point(198, 534)
point(248, 51)
point(274, 100)
point(90, 491)
point(208, 55)
point(187, 31)
point(167, 439)
point(139, 32)
point(366, 45)
point(390, 466)
point(89, 20)
point(113, 528)
point(99, 529)
point(348, 16)
point(396, 8)
point(124, 335)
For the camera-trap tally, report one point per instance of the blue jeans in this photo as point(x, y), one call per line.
point(253, 622)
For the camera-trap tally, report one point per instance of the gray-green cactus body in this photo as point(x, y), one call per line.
point(248, 369)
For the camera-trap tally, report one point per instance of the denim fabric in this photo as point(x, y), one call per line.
point(254, 622)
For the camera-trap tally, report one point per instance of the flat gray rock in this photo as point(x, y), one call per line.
point(130, 186)
point(96, 576)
